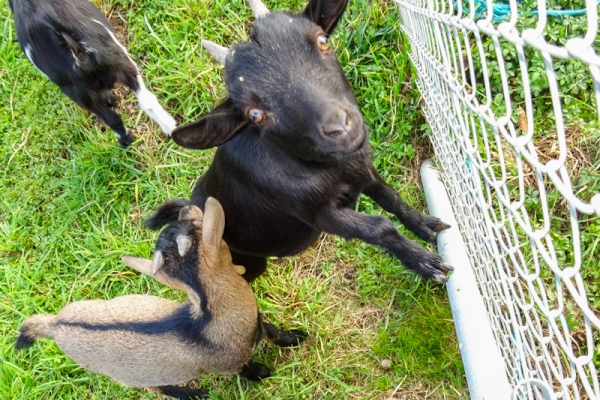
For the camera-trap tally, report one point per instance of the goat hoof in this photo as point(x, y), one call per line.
point(262, 373)
point(440, 226)
point(125, 140)
point(439, 278)
point(254, 371)
point(429, 228)
point(296, 337)
point(431, 266)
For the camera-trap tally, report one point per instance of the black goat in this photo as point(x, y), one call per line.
point(72, 43)
point(294, 151)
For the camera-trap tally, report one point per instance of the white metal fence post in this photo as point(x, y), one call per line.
point(475, 338)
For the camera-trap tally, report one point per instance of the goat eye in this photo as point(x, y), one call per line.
point(323, 43)
point(256, 115)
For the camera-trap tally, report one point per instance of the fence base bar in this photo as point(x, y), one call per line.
point(484, 366)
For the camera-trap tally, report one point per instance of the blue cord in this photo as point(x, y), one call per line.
point(501, 10)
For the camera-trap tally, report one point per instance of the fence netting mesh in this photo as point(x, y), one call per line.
point(512, 97)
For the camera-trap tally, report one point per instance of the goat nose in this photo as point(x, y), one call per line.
point(337, 123)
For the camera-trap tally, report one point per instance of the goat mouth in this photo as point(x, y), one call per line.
point(358, 148)
point(361, 142)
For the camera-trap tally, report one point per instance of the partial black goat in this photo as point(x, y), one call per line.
point(294, 151)
point(73, 44)
point(154, 343)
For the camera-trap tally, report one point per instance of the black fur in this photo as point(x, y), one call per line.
point(77, 54)
point(297, 172)
point(185, 271)
point(24, 341)
point(166, 213)
point(183, 393)
point(284, 338)
point(254, 371)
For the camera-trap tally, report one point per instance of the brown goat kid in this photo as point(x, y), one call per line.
point(153, 343)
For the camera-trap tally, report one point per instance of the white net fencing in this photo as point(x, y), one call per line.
point(511, 92)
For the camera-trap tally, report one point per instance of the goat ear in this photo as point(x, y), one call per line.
point(212, 129)
point(190, 212)
point(325, 13)
point(212, 229)
point(78, 51)
point(145, 267)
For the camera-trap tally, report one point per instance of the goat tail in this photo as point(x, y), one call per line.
point(36, 326)
point(165, 213)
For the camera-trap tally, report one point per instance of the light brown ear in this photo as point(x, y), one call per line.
point(212, 229)
point(212, 129)
point(145, 267)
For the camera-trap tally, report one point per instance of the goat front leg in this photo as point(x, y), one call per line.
point(424, 226)
point(380, 231)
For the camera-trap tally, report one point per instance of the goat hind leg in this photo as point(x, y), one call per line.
point(254, 371)
point(424, 226)
point(114, 121)
point(284, 338)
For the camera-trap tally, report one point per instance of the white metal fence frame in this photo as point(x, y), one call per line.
point(531, 295)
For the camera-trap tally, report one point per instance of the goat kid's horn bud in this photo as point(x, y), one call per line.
point(184, 243)
point(158, 262)
point(258, 8)
point(220, 53)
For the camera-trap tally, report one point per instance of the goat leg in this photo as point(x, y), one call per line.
point(94, 102)
point(180, 392)
point(114, 121)
point(254, 371)
point(284, 338)
point(380, 231)
point(423, 225)
point(255, 266)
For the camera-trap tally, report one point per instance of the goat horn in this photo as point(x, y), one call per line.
point(258, 8)
point(158, 262)
point(183, 244)
point(220, 53)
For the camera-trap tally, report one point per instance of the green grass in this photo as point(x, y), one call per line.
point(72, 200)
